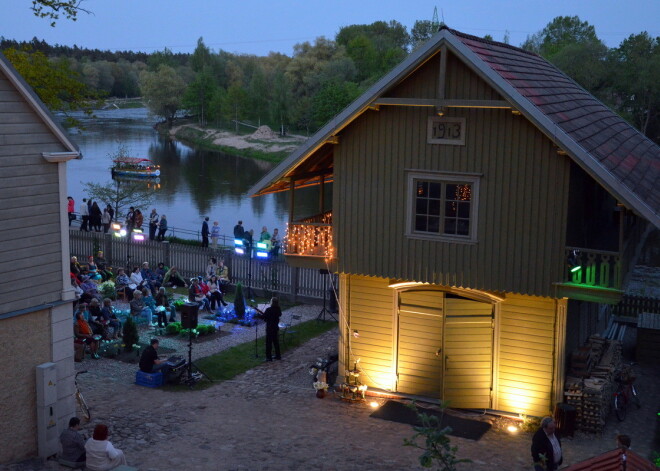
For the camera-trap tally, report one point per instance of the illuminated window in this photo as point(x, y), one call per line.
point(442, 206)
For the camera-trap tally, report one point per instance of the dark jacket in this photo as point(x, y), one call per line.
point(541, 445)
point(272, 318)
point(205, 229)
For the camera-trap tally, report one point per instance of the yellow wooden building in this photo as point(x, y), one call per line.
point(484, 207)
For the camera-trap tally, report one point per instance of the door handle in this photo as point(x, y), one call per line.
point(438, 352)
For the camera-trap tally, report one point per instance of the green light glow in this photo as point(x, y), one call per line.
point(576, 268)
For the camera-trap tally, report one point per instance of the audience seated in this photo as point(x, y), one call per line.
point(149, 304)
point(109, 319)
point(83, 331)
point(163, 301)
point(160, 273)
point(76, 269)
point(150, 278)
point(211, 268)
point(196, 295)
point(214, 294)
point(123, 284)
point(223, 276)
point(73, 445)
point(92, 270)
point(136, 278)
point(174, 278)
point(102, 266)
point(90, 290)
point(92, 317)
point(138, 309)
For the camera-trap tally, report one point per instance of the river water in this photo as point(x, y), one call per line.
point(193, 183)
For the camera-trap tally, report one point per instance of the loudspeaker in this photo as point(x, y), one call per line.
point(333, 306)
point(324, 271)
point(189, 313)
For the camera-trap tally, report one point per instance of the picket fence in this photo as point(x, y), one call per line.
point(266, 278)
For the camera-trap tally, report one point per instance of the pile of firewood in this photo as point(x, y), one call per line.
point(590, 383)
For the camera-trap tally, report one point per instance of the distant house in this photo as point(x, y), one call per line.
point(484, 207)
point(35, 292)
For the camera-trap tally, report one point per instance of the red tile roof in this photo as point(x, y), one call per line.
point(612, 461)
point(622, 151)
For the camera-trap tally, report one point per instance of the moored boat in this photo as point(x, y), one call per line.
point(135, 167)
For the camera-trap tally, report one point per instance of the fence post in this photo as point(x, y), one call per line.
point(296, 280)
point(166, 253)
point(107, 248)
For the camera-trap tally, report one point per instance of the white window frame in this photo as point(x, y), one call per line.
point(442, 177)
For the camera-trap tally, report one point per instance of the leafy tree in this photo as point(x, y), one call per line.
point(559, 33)
point(258, 96)
point(235, 104)
point(198, 95)
point(52, 8)
point(421, 32)
point(158, 58)
point(201, 58)
point(130, 334)
point(120, 194)
point(436, 443)
point(163, 92)
point(54, 82)
point(215, 111)
point(333, 97)
point(634, 74)
point(280, 103)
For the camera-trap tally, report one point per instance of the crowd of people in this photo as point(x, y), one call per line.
point(92, 218)
point(272, 241)
point(144, 290)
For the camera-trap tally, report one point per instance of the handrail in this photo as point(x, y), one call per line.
point(593, 268)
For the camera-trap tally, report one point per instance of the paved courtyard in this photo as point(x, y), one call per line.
point(269, 419)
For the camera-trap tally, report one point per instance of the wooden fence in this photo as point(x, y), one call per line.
point(271, 277)
point(632, 306)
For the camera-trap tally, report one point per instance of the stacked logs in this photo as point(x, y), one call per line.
point(590, 383)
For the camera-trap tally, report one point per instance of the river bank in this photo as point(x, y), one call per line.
point(262, 144)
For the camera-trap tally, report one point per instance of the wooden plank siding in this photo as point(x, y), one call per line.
point(526, 355)
point(30, 206)
point(522, 197)
point(370, 304)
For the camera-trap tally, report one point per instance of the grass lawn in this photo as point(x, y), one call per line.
point(236, 360)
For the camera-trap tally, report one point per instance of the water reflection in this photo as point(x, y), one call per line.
point(193, 183)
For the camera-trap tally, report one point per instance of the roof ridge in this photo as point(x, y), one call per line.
point(488, 41)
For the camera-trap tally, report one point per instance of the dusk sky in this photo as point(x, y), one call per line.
point(257, 27)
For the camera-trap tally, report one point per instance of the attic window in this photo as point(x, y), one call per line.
point(442, 206)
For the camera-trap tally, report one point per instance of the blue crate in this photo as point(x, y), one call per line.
point(150, 380)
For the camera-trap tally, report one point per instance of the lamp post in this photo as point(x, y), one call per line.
point(240, 248)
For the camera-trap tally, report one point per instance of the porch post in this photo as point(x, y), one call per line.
point(292, 185)
point(322, 195)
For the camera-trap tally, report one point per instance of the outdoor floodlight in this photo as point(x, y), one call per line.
point(138, 236)
point(116, 226)
point(239, 247)
point(262, 250)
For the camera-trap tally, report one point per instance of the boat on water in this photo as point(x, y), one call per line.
point(135, 167)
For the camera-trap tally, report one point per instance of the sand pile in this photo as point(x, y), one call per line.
point(264, 132)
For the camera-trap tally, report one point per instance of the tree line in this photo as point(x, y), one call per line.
point(303, 91)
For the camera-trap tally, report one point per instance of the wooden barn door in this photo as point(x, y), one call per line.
point(468, 353)
point(419, 359)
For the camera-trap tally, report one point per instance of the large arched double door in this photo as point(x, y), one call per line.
point(445, 347)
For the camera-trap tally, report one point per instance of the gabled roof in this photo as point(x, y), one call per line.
point(612, 461)
point(619, 157)
point(36, 104)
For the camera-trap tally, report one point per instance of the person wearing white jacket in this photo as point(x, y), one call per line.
point(101, 454)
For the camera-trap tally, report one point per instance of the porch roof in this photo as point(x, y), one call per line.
point(619, 157)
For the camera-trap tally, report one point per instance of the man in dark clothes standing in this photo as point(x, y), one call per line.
point(205, 232)
point(272, 318)
point(239, 232)
point(149, 362)
point(546, 447)
point(153, 224)
point(73, 443)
